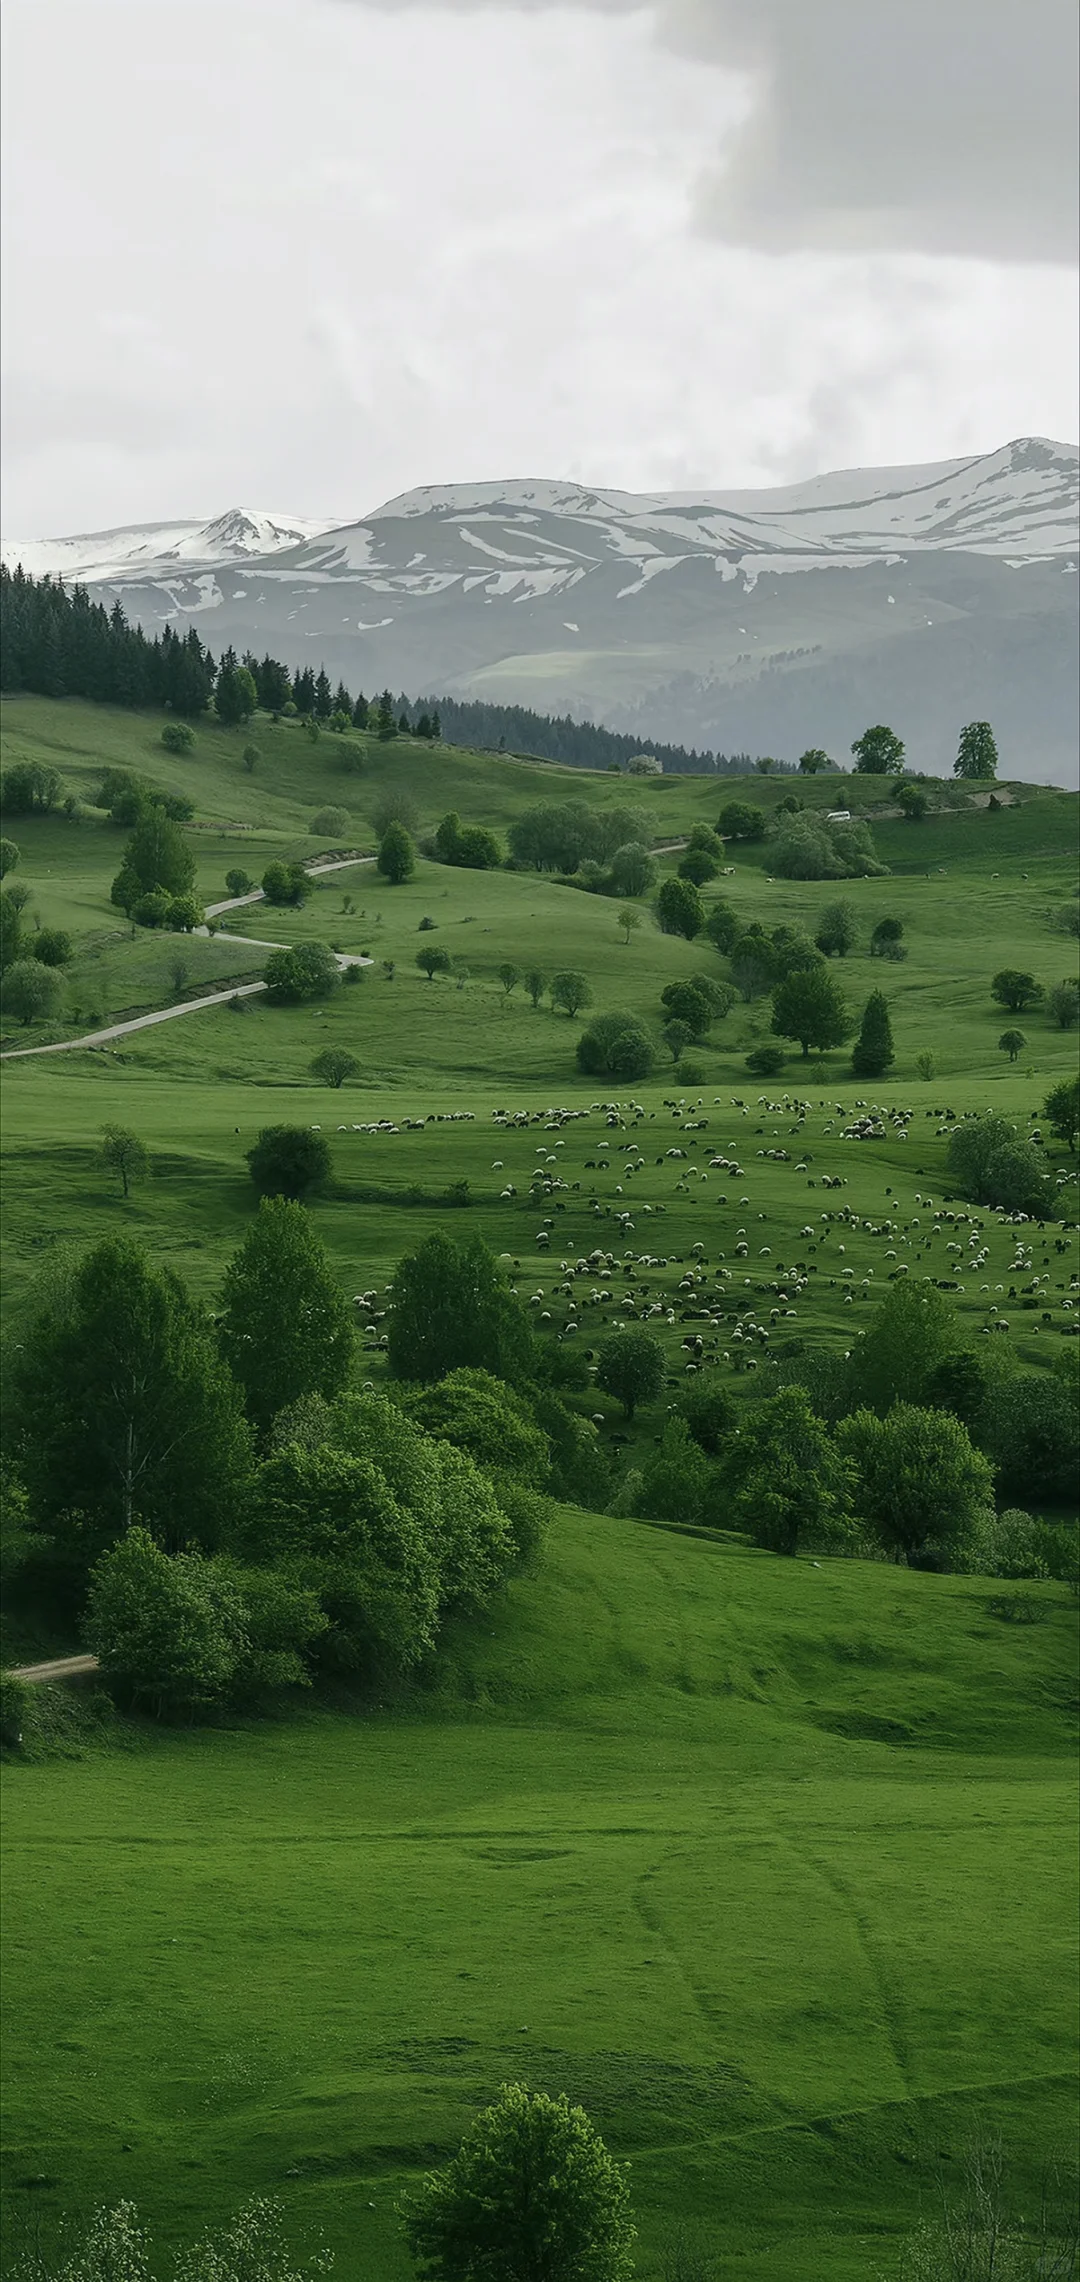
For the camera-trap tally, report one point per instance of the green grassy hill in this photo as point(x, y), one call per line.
point(769, 1863)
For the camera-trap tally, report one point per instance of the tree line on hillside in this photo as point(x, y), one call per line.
point(56, 642)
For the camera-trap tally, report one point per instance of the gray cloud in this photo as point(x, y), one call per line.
point(945, 127)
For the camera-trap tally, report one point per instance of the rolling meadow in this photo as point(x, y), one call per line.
point(770, 1863)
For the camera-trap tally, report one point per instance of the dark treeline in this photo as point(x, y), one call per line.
point(56, 642)
point(556, 737)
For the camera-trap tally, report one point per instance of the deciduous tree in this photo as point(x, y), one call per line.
point(124, 1154)
point(977, 753)
point(531, 2194)
point(919, 1482)
point(397, 856)
point(450, 1308)
point(810, 1006)
point(285, 1326)
point(288, 1160)
point(878, 752)
point(630, 1367)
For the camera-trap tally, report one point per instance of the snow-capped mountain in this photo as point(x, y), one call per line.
point(147, 547)
point(761, 620)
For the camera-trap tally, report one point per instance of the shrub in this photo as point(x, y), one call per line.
point(698, 867)
point(838, 930)
point(185, 914)
point(766, 1061)
point(617, 1045)
point(886, 938)
point(177, 737)
point(632, 870)
point(251, 757)
point(29, 788)
point(14, 1710)
point(710, 1415)
point(9, 857)
point(482, 1415)
point(53, 947)
point(167, 1632)
point(288, 1160)
point(1009, 1544)
point(333, 822)
point(285, 883)
point(1063, 1004)
point(722, 926)
point(739, 820)
point(334, 1065)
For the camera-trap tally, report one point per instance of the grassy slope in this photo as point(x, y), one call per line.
point(623, 1849)
point(770, 1864)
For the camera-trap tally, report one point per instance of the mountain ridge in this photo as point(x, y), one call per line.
point(715, 619)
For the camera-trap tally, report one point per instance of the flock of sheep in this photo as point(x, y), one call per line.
point(729, 1306)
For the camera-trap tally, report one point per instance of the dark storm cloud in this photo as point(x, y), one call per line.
point(927, 126)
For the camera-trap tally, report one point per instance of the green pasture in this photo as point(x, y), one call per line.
point(769, 1864)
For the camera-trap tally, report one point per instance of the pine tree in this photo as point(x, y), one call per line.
point(873, 1049)
point(324, 702)
point(360, 712)
point(385, 724)
point(342, 701)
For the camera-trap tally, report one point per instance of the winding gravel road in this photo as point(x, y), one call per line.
point(216, 998)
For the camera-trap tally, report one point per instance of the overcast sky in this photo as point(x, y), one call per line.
point(304, 254)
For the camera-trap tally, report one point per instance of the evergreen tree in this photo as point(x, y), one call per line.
point(385, 724)
point(360, 712)
point(235, 694)
point(122, 1410)
point(273, 685)
point(977, 753)
point(342, 701)
point(303, 690)
point(324, 701)
point(872, 1052)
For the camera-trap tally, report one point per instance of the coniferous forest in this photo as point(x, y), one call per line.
point(56, 642)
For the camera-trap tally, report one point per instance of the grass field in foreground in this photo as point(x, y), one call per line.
point(771, 1864)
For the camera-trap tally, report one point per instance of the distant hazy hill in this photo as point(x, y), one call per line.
point(765, 621)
